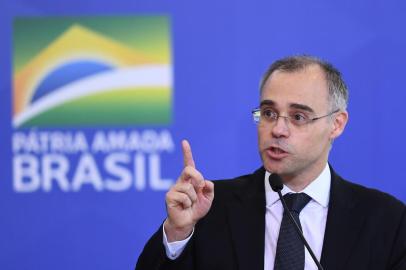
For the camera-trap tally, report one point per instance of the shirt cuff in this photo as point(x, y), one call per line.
point(174, 249)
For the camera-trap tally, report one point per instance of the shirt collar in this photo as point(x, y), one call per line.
point(318, 190)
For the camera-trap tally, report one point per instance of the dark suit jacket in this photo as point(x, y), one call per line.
point(365, 230)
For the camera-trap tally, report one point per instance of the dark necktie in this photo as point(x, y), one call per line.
point(290, 248)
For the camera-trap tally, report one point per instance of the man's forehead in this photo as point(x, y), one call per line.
point(306, 87)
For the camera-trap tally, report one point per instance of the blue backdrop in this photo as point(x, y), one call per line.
point(219, 50)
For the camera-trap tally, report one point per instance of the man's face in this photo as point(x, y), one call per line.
point(297, 151)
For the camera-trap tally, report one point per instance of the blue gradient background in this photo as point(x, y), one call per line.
point(220, 50)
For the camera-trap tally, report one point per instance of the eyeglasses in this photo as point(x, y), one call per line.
point(295, 118)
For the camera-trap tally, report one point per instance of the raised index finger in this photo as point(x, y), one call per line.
point(187, 154)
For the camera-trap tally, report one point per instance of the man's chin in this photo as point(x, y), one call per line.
point(275, 166)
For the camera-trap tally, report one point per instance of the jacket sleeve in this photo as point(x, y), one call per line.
point(153, 256)
point(398, 254)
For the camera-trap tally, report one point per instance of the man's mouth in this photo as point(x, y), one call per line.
point(276, 152)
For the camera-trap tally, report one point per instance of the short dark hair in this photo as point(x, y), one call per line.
point(338, 92)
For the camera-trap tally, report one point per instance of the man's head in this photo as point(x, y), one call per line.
point(302, 110)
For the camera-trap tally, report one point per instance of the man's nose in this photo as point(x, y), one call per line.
point(281, 127)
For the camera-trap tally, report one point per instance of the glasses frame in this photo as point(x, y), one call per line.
point(257, 117)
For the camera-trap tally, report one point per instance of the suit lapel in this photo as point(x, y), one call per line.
point(247, 222)
point(343, 226)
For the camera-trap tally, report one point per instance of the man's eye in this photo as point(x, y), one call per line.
point(269, 114)
point(299, 117)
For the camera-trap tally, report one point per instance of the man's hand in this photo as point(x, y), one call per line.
point(188, 200)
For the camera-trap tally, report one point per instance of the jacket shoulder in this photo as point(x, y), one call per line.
point(376, 200)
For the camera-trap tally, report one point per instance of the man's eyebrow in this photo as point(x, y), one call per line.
point(267, 102)
point(301, 107)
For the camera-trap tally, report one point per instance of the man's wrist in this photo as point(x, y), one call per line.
point(174, 233)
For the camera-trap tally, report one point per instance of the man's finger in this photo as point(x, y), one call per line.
point(175, 199)
point(208, 190)
point(187, 154)
point(190, 174)
point(186, 188)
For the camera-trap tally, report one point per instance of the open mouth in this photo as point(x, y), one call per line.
point(276, 152)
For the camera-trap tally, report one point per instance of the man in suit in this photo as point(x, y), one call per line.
point(240, 223)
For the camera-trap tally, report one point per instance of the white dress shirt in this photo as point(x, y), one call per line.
point(313, 219)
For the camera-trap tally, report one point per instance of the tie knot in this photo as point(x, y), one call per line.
point(296, 201)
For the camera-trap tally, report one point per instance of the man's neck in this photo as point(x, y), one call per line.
point(301, 180)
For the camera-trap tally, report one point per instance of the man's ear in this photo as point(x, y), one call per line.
point(339, 122)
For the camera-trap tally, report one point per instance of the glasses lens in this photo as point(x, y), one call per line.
point(299, 119)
